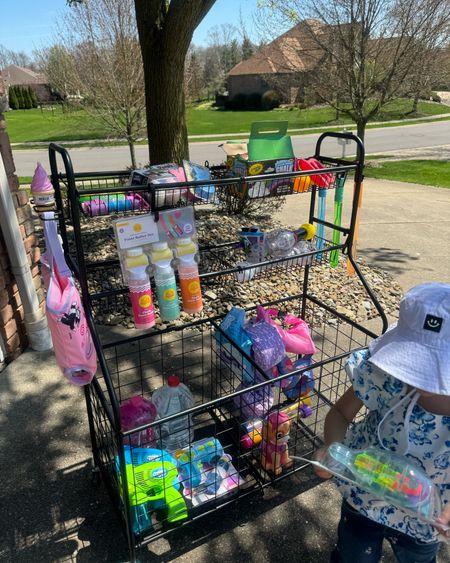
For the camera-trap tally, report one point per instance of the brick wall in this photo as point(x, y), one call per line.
point(12, 328)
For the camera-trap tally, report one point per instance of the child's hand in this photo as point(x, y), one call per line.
point(318, 456)
point(444, 519)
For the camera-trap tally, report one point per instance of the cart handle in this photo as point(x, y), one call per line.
point(360, 151)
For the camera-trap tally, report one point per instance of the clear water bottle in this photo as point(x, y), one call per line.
point(280, 242)
point(171, 399)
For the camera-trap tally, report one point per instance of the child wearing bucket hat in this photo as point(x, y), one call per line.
point(403, 380)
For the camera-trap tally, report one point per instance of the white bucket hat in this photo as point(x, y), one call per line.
point(417, 349)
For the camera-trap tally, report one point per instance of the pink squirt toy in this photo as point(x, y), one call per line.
point(42, 190)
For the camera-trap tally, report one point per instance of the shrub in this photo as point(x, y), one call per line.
point(253, 101)
point(435, 97)
point(234, 204)
point(20, 99)
point(270, 100)
point(28, 104)
point(239, 101)
point(33, 98)
point(13, 102)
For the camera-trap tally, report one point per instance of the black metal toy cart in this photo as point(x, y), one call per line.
point(154, 491)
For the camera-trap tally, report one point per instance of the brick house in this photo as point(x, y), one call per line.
point(283, 65)
point(13, 338)
point(18, 76)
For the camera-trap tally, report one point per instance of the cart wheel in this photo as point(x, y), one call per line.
point(96, 476)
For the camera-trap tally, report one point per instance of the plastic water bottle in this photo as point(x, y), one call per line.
point(191, 293)
point(281, 243)
point(141, 297)
point(171, 399)
point(165, 283)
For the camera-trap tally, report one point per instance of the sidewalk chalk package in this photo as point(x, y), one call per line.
point(269, 152)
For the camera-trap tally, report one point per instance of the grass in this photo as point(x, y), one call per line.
point(427, 172)
point(33, 126)
point(204, 122)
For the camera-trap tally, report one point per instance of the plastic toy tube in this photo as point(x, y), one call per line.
point(338, 199)
point(322, 205)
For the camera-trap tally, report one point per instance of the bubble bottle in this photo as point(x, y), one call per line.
point(141, 297)
point(191, 294)
point(165, 283)
point(171, 399)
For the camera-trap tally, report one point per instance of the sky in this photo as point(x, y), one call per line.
point(33, 24)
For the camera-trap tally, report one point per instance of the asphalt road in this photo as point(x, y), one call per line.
point(381, 140)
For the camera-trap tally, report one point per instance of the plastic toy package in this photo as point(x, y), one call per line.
point(389, 477)
point(166, 244)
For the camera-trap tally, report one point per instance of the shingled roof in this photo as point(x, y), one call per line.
point(16, 75)
point(294, 51)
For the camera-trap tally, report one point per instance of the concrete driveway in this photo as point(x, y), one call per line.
point(404, 228)
point(51, 512)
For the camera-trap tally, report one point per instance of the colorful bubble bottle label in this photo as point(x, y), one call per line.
point(191, 293)
point(142, 305)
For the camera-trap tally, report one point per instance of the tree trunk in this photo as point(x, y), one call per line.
point(165, 33)
point(132, 153)
point(166, 121)
point(361, 128)
point(415, 102)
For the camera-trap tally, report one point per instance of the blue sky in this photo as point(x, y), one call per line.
point(30, 23)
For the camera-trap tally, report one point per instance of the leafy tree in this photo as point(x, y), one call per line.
point(27, 98)
point(193, 76)
point(362, 51)
point(33, 97)
point(20, 98)
point(247, 48)
point(13, 102)
point(165, 30)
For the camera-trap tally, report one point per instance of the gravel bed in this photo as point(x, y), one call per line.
point(332, 285)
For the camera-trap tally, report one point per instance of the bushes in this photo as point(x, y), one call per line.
point(13, 101)
point(253, 102)
point(22, 97)
point(270, 100)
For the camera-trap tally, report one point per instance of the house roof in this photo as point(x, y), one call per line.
point(294, 51)
point(16, 75)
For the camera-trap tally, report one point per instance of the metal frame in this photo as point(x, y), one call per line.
point(217, 383)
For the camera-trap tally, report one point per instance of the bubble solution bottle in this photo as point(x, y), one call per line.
point(191, 294)
point(141, 297)
point(171, 399)
point(165, 283)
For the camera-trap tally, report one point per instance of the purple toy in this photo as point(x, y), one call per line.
point(255, 403)
point(267, 345)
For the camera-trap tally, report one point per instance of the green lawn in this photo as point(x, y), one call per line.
point(206, 121)
point(56, 125)
point(427, 172)
point(52, 125)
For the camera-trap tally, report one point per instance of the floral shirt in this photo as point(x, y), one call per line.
point(429, 442)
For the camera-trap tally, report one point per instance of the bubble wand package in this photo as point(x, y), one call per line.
point(389, 477)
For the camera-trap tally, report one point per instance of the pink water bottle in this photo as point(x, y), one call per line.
point(141, 297)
